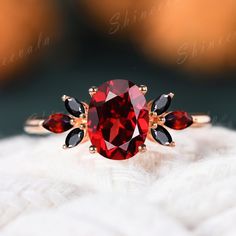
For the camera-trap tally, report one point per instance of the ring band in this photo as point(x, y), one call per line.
point(117, 121)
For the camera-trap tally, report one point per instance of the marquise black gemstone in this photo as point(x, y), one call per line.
point(161, 104)
point(74, 107)
point(74, 138)
point(161, 135)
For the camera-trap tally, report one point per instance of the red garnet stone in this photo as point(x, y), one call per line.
point(118, 119)
point(178, 120)
point(58, 123)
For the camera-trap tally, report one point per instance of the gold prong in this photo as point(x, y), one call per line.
point(161, 120)
point(83, 116)
point(93, 90)
point(143, 89)
point(64, 98)
point(82, 126)
point(92, 149)
point(64, 147)
point(154, 125)
point(172, 144)
point(142, 148)
point(171, 95)
point(153, 114)
point(72, 122)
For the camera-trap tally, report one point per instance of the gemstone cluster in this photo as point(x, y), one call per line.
point(118, 120)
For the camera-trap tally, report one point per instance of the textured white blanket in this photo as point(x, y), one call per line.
point(187, 190)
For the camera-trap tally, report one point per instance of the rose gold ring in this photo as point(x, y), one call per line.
point(117, 121)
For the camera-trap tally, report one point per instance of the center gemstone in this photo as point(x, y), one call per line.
point(118, 119)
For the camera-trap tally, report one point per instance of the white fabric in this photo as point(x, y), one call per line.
point(189, 190)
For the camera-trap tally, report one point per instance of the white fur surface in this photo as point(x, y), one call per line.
point(189, 190)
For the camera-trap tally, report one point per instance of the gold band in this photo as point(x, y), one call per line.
point(35, 126)
point(200, 120)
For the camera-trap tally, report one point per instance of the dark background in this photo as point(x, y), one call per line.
point(85, 56)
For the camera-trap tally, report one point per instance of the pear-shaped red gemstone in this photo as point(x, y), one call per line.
point(118, 119)
point(58, 123)
point(178, 120)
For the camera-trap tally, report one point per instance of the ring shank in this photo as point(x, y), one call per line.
point(35, 126)
point(200, 120)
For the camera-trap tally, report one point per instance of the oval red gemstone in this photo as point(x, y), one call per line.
point(58, 123)
point(178, 120)
point(118, 119)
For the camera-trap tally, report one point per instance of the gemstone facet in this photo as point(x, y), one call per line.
point(118, 119)
point(74, 107)
point(161, 135)
point(58, 123)
point(161, 104)
point(74, 138)
point(178, 120)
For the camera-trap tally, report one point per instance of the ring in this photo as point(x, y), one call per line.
point(117, 121)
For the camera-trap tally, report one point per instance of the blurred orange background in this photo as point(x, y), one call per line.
point(189, 34)
point(195, 35)
point(25, 30)
point(56, 47)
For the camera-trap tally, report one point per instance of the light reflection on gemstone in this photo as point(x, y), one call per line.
point(118, 119)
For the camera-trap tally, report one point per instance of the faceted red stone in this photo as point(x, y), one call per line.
point(178, 120)
point(58, 123)
point(118, 119)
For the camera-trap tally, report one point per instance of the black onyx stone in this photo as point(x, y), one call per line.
point(161, 135)
point(74, 138)
point(161, 104)
point(74, 107)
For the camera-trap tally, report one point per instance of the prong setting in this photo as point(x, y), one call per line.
point(92, 149)
point(93, 90)
point(72, 121)
point(64, 147)
point(161, 120)
point(171, 95)
point(154, 125)
point(143, 89)
point(64, 98)
point(83, 116)
point(142, 148)
point(172, 144)
point(153, 114)
point(82, 126)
